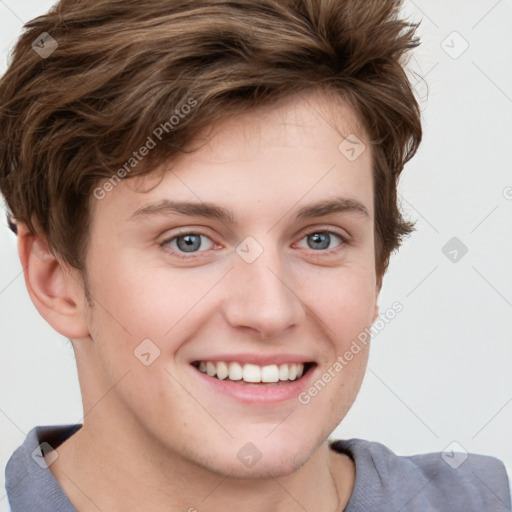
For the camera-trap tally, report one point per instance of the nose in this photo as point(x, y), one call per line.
point(263, 296)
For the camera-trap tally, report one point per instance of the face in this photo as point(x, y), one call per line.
point(252, 258)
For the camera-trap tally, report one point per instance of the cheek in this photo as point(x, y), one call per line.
point(346, 310)
point(129, 295)
point(344, 299)
point(138, 302)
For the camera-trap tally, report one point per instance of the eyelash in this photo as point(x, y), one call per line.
point(322, 252)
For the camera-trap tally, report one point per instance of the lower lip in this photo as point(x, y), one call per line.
point(258, 393)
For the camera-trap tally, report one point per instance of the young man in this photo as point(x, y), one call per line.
point(204, 194)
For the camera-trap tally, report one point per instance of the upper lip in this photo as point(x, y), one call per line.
point(258, 359)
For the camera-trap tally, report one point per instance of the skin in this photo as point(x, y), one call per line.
point(157, 437)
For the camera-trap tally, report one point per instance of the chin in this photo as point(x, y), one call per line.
point(257, 460)
point(273, 467)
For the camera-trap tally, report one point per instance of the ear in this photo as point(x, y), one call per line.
point(377, 293)
point(55, 289)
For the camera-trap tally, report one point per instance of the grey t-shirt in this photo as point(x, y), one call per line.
point(385, 482)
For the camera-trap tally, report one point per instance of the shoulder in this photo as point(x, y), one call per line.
point(28, 480)
point(426, 482)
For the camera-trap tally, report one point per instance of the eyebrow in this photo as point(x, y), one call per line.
point(213, 211)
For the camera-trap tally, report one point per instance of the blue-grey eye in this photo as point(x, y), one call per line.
point(189, 242)
point(321, 240)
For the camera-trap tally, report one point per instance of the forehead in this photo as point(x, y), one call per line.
point(303, 149)
point(290, 123)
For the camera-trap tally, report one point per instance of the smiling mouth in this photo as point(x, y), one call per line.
point(273, 374)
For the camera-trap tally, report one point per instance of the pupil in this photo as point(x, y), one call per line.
point(319, 238)
point(189, 243)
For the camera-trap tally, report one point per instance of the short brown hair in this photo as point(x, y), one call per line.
point(123, 67)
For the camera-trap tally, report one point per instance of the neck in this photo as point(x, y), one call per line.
point(112, 472)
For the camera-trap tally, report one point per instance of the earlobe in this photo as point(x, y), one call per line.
point(377, 293)
point(56, 294)
point(376, 312)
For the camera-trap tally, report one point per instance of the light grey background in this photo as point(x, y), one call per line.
point(441, 370)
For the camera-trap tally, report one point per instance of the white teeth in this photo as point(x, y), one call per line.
point(270, 373)
point(251, 372)
point(235, 371)
point(222, 370)
point(211, 369)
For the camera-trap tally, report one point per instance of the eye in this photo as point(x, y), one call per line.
point(187, 243)
point(192, 243)
point(321, 240)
